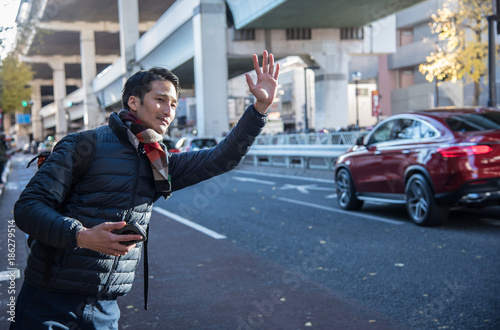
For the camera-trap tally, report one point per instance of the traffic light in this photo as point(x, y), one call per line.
point(26, 103)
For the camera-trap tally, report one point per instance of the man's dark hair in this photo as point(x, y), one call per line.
point(139, 84)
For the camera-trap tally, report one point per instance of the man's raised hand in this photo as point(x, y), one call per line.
point(266, 86)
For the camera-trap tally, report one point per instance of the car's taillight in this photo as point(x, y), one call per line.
point(462, 151)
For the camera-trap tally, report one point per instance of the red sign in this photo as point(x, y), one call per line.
point(375, 104)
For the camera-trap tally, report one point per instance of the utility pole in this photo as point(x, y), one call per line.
point(492, 84)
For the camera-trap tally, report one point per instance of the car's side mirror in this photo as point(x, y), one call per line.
point(359, 140)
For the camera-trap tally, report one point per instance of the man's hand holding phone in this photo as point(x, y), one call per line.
point(132, 228)
point(103, 239)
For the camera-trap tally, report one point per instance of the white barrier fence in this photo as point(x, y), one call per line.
point(312, 150)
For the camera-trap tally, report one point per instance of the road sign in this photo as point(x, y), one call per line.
point(23, 118)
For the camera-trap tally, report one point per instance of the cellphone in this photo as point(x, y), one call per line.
point(132, 228)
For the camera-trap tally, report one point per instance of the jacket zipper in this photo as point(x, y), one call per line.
point(126, 218)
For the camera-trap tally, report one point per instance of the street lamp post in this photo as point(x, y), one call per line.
point(356, 77)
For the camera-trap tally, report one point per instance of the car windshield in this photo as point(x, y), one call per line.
point(474, 122)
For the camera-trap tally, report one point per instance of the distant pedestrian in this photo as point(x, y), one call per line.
point(3, 156)
point(77, 266)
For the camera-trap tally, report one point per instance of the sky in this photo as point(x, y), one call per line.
point(8, 12)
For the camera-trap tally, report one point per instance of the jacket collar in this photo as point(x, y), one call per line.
point(119, 127)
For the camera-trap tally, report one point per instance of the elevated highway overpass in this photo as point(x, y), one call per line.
point(84, 50)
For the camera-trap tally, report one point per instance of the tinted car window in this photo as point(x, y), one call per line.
point(426, 131)
point(474, 122)
point(409, 129)
point(204, 143)
point(382, 133)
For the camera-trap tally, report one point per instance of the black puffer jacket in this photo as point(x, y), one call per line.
point(118, 186)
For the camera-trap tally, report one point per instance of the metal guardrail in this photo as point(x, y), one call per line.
point(312, 150)
point(348, 138)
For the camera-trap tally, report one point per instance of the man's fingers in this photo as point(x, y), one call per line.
point(114, 225)
point(256, 64)
point(249, 80)
point(264, 62)
point(277, 72)
point(271, 64)
point(126, 238)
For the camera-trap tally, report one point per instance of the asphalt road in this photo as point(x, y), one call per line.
point(270, 249)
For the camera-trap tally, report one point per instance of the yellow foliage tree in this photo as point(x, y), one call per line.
point(461, 52)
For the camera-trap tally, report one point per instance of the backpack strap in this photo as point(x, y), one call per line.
point(146, 269)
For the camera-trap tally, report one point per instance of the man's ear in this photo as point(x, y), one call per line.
point(133, 102)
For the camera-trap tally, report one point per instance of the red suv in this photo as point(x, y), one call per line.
point(428, 160)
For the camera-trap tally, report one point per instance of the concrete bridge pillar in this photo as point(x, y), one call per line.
point(210, 67)
point(331, 86)
point(36, 120)
point(59, 77)
point(128, 15)
point(93, 116)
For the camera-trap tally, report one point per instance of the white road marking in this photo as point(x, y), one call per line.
point(189, 223)
point(242, 179)
point(283, 176)
point(304, 188)
point(366, 216)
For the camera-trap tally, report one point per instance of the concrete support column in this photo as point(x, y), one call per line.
point(59, 77)
point(210, 67)
point(331, 87)
point(36, 120)
point(128, 15)
point(93, 116)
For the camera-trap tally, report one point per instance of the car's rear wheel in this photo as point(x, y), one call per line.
point(421, 204)
point(346, 193)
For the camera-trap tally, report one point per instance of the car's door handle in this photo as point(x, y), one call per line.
point(378, 152)
point(406, 151)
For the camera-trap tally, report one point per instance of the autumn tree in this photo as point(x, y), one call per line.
point(462, 51)
point(14, 79)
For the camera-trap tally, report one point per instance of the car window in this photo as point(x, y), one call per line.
point(474, 122)
point(409, 129)
point(406, 129)
point(382, 133)
point(425, 131)
point(204, 143)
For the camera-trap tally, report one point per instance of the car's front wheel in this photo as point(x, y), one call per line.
point(346, 193)
point(421, 204)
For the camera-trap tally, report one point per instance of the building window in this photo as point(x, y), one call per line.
point(352, 33)
point(298, 34)
point(363, 91)
point(405, 37)
point(244, 34)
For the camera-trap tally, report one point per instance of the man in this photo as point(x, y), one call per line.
point(3, 156)
point(77, 266)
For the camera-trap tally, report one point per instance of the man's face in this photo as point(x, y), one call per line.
point(158, 108)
